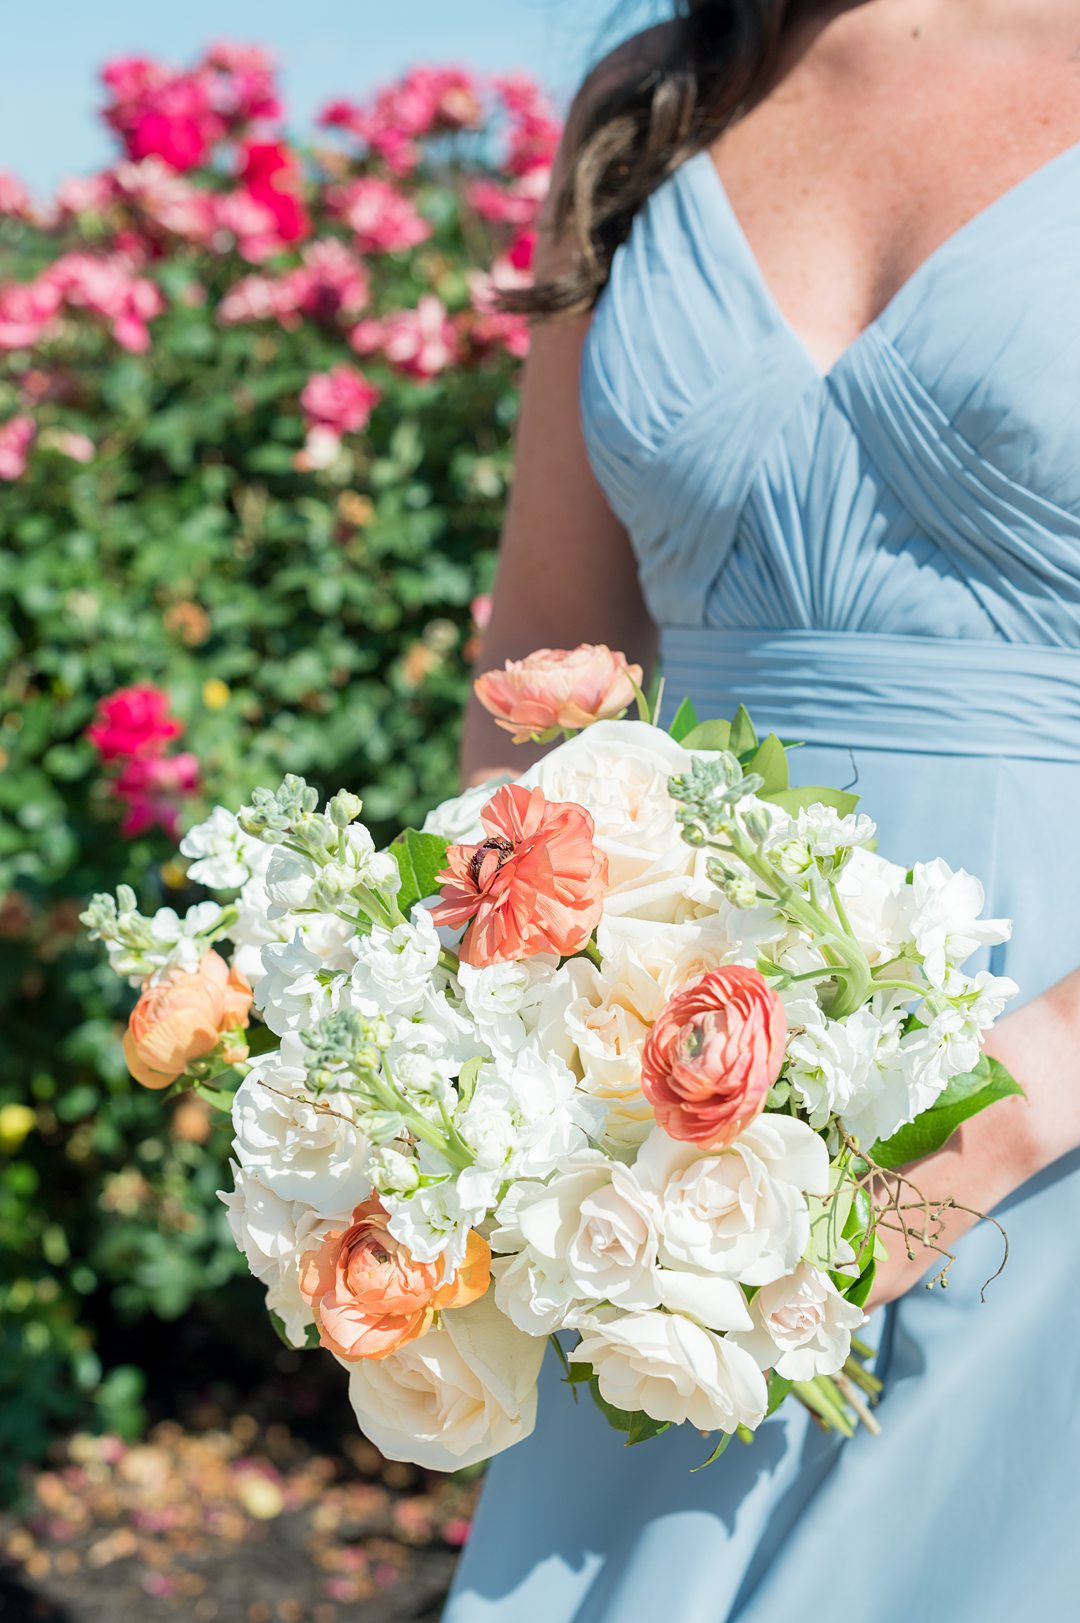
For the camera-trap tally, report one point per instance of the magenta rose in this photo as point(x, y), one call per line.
point(713, 1054)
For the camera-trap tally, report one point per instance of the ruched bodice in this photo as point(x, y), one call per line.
point(883, 562)
point(928, 484)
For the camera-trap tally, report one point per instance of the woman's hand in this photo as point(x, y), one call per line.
point(995, 1152)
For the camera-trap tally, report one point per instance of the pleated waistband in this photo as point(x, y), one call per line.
point(872, 691)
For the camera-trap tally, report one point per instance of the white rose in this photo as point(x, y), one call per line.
point(458, 819)
point(612, 1252)
point(674, 1370)
point(535, 1225)
point(456, 1396)
point(802, 1325)
point(298, 1151)
point(274, 1235)
point(740, 1212)
point(619, 771)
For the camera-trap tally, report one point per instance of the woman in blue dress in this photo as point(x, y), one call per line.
point(809, 416)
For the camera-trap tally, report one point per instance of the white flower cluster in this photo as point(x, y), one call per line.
point(508, 1099)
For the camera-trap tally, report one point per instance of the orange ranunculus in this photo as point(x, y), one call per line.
point(715, 1051)
point(183, 1017)
point(534, 884)
point(558, 687)
point(370, 1297)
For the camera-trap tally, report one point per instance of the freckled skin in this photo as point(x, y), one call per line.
point(889, 124)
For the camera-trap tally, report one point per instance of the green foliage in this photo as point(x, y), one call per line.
point(964, 1097)
point(316, 622)
point(420, 858)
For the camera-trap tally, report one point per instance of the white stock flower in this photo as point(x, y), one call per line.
point(289, 881)
point(840, 1067)
point(458, 819)
point(945, 923)
point(875, 895)
point(740, 1212)
point(619, 771)
point(289, 994)
point(224, 856)
point(298, 1151)
point(394, 968)
point(504, 999)
point(817, 836)
point(674, 1370)
point(456, 1396)
point(802, 1325)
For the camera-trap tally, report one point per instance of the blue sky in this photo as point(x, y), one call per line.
point(53, 49)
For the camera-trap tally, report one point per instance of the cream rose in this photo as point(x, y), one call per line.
point(740, 1213)
point(459, 1395)
point(801, 1325)
point(674, 1370)
point(619, 771)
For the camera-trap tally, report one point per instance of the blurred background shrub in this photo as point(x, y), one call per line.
point(255, 410)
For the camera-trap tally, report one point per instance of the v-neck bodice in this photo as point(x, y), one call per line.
point(928, 484)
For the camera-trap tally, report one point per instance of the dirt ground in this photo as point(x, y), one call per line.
point(262, 1505)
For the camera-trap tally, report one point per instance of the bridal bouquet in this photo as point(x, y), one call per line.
point(623, 1054)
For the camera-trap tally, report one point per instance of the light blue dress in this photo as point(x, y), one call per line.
point(883, 561)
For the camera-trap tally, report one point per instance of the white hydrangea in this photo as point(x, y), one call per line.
point(223, 856)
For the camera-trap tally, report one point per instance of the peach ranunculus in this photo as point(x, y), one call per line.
point(558, 688)
point(183, 1017)
point(715, 1051)
point(370, 1296)
point(534, 884)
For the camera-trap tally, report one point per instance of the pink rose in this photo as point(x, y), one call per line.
point(340, 400)
point(16, 438)
point(713, 1054)
point(133, 721)
point(558, 688)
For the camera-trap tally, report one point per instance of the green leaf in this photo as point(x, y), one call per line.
point(795, 800)
point(684, 721)
point(311, 1334)
point(743, 734)
point(779, 1387)
point(828, 1217)
point(420, 857)
point(642, 1427)
point(725, 1439)
point(770, 760)
point(862, 1287)
point(708, 735)
point(964, 1097)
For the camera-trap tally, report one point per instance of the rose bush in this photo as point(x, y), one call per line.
point(255, 408)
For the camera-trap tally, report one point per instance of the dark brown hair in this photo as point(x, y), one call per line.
point(647, 110)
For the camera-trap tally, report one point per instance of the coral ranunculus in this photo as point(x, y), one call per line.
point(370, 1296)
point(715, 1051)
point(558, 687)
point(534, 884)
point(183, 1017)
